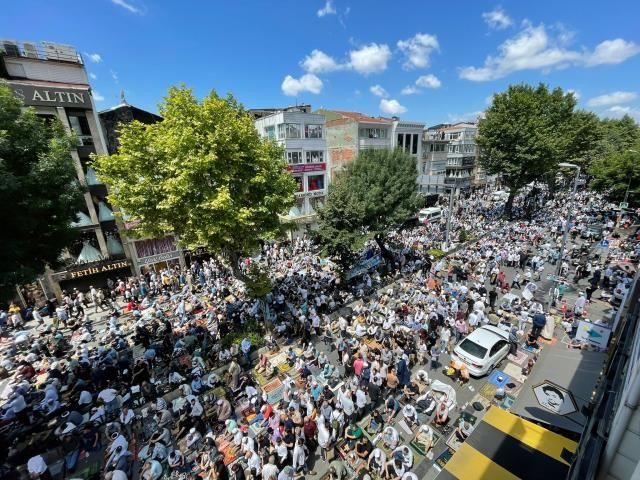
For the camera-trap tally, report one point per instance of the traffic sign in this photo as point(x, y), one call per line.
point(604, 243)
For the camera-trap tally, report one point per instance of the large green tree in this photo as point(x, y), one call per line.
point(618, 175)
point(203, 173)
point(39, 192)
point(373, 195)
point(528, 130)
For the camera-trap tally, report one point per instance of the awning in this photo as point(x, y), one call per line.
point(506, 447)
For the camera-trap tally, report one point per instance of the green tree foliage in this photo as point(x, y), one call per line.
point(373, 195)
point(39, 192)
point(619, 134)
point(203, 174)
point(617, 172)
point(528, 130)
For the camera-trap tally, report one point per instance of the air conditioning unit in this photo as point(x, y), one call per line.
point(57, 51)
point(10, 47)
point(30, 50)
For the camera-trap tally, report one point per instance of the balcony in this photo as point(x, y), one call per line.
point(46, 51)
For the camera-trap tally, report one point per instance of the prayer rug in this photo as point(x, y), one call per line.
point(482, 400)
point(284, 367)
point(488, 391)
point(530, 349)
point(275, 395)
point(419, 447)
point(513, 370)
point(513, 387)
point(443, 458)
point(520, 358)
point(499, 378)
point(260, 378)
point(453, 442)
point(507, 402)
point(219, 392)
point(444, 430)
point(404, 427)
point(272, 385)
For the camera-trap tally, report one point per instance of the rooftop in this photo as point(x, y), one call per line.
point(47, 51)
point(359, 117)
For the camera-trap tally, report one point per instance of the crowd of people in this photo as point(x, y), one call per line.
point(158, 389)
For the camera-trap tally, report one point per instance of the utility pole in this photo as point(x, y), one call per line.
point(450, 212)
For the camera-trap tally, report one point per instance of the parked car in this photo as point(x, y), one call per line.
point(431, 214)
point(482, 349)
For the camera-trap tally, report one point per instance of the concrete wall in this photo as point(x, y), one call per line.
point(46, 70)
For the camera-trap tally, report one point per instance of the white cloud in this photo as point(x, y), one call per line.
point(114, 75)
point(391, 107)
point(533, 48)
point(423, 81)
point(497, 19)
point(306, 83)
point(127, 6)
point(93, 76)
point(576, 93)
point(320, 62)
point(613, 98)
point(410, 90)
point(94, 57)
point(372, 58)
point(428, 81)
point(612, 52)
point(417, 50)
point(328, 9)
point(378, 91)
point(465, 117)
point(97, 97)
point(620, 111)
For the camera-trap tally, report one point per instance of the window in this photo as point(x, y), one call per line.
point(294, 156)
point(281, 131)
point(293, 130)
point(270, 132)
point(373, 133)
point(315, 156)
point(299, 182)
point(497, 347)
point(80, 127)
point(400, 140)
point(313, 131)
point(315, 182)
point(473, 348)
point(414, 145)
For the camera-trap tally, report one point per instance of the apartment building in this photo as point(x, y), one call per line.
point(149, 254)
point(348, 133)
point(461, 154)
point(53, 80)
point(408, 137)
point(433, 165)
point(303, 136)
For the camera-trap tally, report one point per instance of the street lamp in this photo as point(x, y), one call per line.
point(566, 223)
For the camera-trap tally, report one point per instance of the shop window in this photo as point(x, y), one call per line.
point(299, 182)
point(315, 182)
point(288, 130)
point(270, 132)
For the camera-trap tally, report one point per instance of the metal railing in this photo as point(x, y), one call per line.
point(40, 51)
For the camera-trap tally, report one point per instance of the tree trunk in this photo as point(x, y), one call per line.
point(508, 207)
point(384, 251)
point(234, 258)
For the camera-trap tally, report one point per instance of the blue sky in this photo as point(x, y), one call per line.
point(423, 60)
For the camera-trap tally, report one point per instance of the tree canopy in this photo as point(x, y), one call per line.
point(528, 130)
point(203, 174)
point(373, 195)
point(40, 195)
point(619, 173)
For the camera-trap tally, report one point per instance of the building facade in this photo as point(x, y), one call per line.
point(461, 154)
point(303, 137)
point(53, 80)
point(408, 137)
point(146, 254)
point(433, 165)
point(348, 133)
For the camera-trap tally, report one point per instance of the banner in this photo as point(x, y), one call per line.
point(310, 167)
point(596, 335)
point(364, 266)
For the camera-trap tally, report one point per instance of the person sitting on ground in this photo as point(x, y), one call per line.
point(390, 437)
point(377, 462)
point(464, 430)
point(442, 414)
point(410, 414)
point(375, 422)
point(424, 437)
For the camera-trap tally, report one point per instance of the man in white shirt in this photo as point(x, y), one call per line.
point(269, 470)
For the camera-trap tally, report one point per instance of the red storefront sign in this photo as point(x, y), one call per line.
point(308, 167)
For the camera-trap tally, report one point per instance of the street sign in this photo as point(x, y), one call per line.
point(624, 205)
point(604, 243)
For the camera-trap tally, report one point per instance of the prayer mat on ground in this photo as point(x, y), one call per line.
point(513, 370)
point(520, 358)
point(486, 403)
point(272, 385)
point(219, 392)
point(530, 349)
point(404, 429)
point(499, 378)
point(513, 387)
point(284, 367)
point(444, 430)
point(419, 447)
point(454, 442)
point(443, 458)
point(488, 391)
point(544, 341)
point(507, 402)
point(275, 395)
point(255, 429)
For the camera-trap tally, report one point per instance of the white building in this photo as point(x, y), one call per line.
point(408, 137)
point(433, 165)
point(302, 135)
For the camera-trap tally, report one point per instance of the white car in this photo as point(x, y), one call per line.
point(482, 349)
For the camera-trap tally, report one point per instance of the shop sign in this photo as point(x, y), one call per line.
point(161, 257)
point(315, 193)
point(98, 268)
point(33, 95)
point(310, 167)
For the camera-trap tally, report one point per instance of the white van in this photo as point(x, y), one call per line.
point(431, 214)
